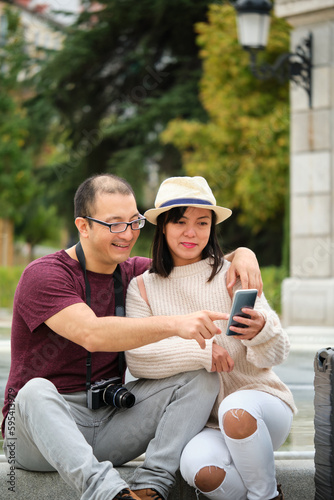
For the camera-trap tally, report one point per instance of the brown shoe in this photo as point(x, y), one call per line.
point(148, 494)
point(126, 495)
point(280, 495)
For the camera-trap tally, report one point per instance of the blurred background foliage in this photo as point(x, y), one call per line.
point(242, 149)
point(146, 90)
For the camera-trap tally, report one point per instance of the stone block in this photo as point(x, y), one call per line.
point(310, 173)
point(312, 257)
point(291, 8)
point(322, 46)
point(299, 99)
point(311, 215)
point(310, 131)
point(308, 302)
point(321, 85)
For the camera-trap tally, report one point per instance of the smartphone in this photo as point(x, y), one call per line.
point(242, 298)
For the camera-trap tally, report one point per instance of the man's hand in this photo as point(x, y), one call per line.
point(244, 265)
point(255, 324)
point(221, 360)
point(199, 325)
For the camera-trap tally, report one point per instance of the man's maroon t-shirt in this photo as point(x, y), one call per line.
point(47, 286)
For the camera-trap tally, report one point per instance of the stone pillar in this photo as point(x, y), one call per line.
point(308, 295)
point(6, 242)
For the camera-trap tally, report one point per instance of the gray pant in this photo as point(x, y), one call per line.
point(58, 432)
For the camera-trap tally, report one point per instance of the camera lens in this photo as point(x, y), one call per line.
point(118, 396)
point(124, 399)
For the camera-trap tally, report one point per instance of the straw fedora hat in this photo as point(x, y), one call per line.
point(185, 192)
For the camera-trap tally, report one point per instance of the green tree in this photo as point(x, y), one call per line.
point(129, 70)
point(122, 75)
point(15, 161)
point(22, 190)
point(243, 148)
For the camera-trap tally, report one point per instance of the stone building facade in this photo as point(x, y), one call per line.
point(308, 294)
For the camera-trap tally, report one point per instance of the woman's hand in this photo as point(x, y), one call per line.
point(221, 360)
point(244, 265)
point(255, 324)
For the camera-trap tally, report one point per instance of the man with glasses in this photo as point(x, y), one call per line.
point(65, 406)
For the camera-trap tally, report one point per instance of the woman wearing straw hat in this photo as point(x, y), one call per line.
point(233, 457)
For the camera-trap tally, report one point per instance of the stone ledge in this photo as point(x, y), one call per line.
point(296, 477)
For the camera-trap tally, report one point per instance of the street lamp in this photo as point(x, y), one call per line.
point(253, 21)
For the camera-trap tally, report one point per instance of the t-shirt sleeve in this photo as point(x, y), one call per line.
point(43, 291)
point(141, 264)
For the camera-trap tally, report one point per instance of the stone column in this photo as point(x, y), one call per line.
point(308, 294)
point(6, 242)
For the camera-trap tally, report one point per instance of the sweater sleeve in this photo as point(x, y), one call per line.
point(271, 345)
point(135, 305)
point(167, 357)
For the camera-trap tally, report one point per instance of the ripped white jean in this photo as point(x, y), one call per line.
point(248, 463)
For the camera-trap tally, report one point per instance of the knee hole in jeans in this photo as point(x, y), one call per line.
point(239, 424)
point(209, 478)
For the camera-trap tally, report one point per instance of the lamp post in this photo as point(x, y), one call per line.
point(253, 22)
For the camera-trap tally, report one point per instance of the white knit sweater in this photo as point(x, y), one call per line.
point(186, 290)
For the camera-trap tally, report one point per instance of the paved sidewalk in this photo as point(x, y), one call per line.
point(296, 477)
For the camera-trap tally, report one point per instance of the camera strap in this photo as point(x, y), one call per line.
point(119, 309)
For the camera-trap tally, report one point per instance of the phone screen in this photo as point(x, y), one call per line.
point(241, 299)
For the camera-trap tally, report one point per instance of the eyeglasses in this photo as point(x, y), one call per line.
point(120, 227)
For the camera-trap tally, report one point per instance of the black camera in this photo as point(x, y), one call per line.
point(109, 392)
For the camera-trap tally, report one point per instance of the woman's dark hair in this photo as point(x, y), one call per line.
point(162, 261)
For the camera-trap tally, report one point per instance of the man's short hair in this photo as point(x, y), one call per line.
point(85, 196)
